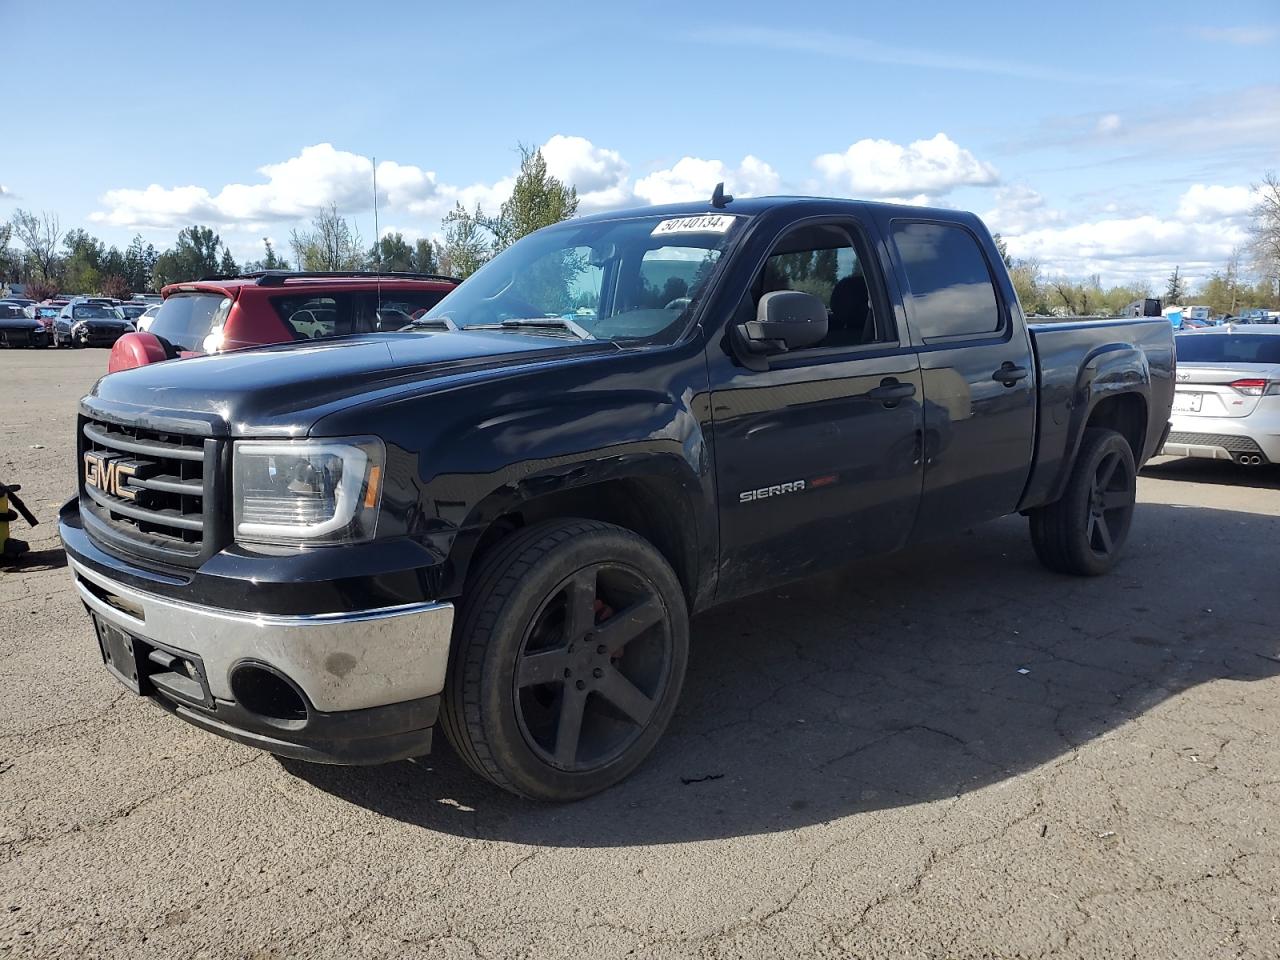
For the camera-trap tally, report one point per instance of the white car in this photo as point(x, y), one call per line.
point(1226, 404)
point(143, 323)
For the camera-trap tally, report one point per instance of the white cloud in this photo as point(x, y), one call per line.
point(692, 178)
point(293, 190)
point(1108, 123)
point(599, 175)
point(1214, 202)
point(1239, 36)
point(1019, 209)
point(5, 193)
point(879, 168)
point(1132, 248)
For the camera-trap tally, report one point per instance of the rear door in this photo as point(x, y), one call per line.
point(978, 371)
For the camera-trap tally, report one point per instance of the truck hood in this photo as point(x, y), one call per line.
point(285, 388)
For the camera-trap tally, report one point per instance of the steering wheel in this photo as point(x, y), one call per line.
point(679, 303)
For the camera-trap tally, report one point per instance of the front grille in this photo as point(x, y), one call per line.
point(1227, 441)
point(149, 492)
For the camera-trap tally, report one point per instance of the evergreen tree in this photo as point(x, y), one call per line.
point(537, 200)
point(227, 266)
point(1176, 290)
point(466, 242)
point(426, 256)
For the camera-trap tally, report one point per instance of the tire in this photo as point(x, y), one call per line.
point(543, 697)
point(1084, 532)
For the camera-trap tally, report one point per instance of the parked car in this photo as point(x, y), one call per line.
point(1227, 404)
point(143, 323)
point(501, 518)
point(19, 302)
point(213, 316)
point(132, 311)
point(19, 330)
point(47, 314)
point(87, 324)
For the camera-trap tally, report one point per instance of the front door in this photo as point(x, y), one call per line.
point(818, 457)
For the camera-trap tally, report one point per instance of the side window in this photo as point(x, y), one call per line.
point(823, 260)
point(314, 318)
point(950, 284)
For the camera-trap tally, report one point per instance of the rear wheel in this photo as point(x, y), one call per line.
point(568, 659)
point(1084, 531)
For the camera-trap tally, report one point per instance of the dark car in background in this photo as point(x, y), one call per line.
point(89, 324)
point(17, 329)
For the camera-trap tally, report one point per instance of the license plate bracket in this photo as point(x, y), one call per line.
point(1186, 402)
point(119, 654)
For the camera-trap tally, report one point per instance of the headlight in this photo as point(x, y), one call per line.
point(307, 491)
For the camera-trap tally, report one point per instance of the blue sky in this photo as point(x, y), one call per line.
point(1118, 138)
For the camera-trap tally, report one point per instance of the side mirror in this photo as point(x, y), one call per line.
point(785, 320)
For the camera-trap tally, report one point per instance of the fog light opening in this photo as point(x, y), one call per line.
point(261, 690)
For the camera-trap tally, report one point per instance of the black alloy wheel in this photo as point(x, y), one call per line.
point(592, 667)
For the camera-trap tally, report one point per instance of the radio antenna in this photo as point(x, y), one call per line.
point(377, 247)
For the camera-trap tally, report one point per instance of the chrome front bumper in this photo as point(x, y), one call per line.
point(340, 661)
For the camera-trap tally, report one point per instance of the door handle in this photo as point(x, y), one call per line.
point(891, 391)
point(1008, 374)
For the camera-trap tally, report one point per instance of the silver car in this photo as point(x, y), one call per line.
point(1227, 400)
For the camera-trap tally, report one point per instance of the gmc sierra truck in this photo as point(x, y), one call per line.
point(501, 517)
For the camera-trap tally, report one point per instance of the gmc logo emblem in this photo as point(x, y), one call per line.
point(109, 474)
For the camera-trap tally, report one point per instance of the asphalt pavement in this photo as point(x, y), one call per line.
point(950, 753)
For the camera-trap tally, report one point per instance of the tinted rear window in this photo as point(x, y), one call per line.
point(185, 319)
point(1228, 348)
point(950, 284)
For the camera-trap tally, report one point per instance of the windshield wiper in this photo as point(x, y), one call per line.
point(435, 323)
point(549, 323)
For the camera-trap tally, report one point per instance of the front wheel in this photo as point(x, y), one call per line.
point(568, 659)
point(1085, 530)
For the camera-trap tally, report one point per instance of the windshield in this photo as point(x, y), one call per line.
point(92, 311)
point(613, 280)
point(1227, 348)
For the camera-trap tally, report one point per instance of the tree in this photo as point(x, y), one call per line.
point(10, 261)
point(1176, 289)
point(39, 290)
point(1264, 232)
point(426, 256)
point(537, 200)
point(392, 254)
point(467, 243)
point(82, 267)
point(114, 285)
point(331, 244)
point(1004, 250)
point(40, 235)
point(227, 266)
point(139, 261)
point(195, 255)
point(269, 261)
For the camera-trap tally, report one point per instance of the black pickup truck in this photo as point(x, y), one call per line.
point(502, 516)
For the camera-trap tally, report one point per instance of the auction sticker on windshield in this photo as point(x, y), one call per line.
point(703, 223)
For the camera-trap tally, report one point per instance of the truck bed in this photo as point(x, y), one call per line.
point(1077, 359)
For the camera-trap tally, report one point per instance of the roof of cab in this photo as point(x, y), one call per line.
point(753, 206)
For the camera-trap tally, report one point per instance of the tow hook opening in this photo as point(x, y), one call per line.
point(268, 693)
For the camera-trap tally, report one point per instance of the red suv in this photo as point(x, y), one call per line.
point(275, 306)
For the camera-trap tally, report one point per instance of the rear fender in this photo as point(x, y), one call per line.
point(1109, 370)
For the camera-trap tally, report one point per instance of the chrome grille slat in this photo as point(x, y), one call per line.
point(118, 440)
point(168, 518)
